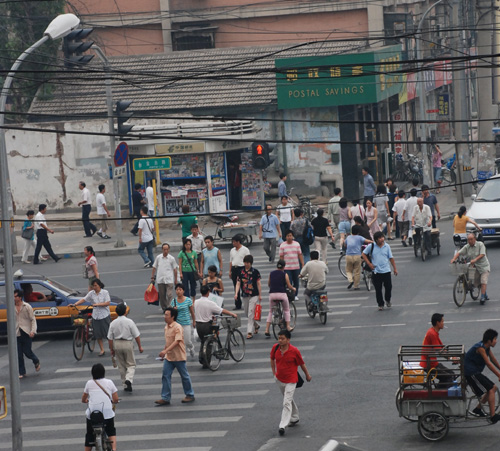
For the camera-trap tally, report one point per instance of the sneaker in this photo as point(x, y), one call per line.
point(281, 431)
point(477, 412)
point(403, 242)
point(106, 237)
point(100, 234)
point(188, 399)
point(128, 386)
point(293, 423)
point(380, 308)
point(147, 265)
point(296, 298)
point(350, 285)
point(388, 304)
point(486, 298)
point(482, 300)
point(495, 418)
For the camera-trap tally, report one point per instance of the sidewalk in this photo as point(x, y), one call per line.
point(68, 240)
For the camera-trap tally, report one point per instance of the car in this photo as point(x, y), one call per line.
point(485, 209)
point(52, 309)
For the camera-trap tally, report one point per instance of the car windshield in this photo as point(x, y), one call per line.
point(490, 192)
point(66, 291)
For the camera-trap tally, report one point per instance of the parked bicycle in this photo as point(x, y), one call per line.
point(213, 349)
point(84, 334)
point(279, 322)
point(464, 283)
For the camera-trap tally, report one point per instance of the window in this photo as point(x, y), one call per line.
point(194, 38)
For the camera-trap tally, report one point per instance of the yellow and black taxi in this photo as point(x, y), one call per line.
point(50, 301)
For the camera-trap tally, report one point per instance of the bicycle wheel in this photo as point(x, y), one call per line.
point(247, 240)
point(91, 340)
point(293, 315)
point(212, 353)
point(322, 317)
point(474, 292)
point(342, 264)
point(423, 250)
point(438, 245)
point(367, 277)
point(415, 247)
point(236, 345)
point(98, 440)
point(277, 327)
point(310, 309)
point(78, 343)
point(459, 291)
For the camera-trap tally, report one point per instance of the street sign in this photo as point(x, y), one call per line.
point(121, 154)
point(119, 171)
point(152, 164)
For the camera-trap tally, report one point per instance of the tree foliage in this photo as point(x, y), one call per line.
point(22, 23)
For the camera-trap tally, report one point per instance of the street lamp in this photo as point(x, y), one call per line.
point(58, 28)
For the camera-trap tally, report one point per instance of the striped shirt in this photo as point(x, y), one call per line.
point(183, 313)
point(290, 253)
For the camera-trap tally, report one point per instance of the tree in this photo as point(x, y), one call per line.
point(22, 23)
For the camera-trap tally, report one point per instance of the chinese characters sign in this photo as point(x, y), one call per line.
point(338, 79)
point(152, 164)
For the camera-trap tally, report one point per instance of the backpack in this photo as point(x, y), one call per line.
point(308, 234)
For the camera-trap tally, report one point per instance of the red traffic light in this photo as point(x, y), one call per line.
point(259, 149)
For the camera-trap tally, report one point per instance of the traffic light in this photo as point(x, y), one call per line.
point(73, 48)
point(259, 155)
point(123, 117)
point(270, 149)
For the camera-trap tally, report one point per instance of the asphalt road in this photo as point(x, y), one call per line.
point(353, 361)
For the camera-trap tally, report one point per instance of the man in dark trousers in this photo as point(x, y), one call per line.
point(285, 359)
point(86, 205)
point(42, 238)
point(137, 203)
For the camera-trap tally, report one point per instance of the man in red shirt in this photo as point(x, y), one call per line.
point(444, 375)
point(285, 359)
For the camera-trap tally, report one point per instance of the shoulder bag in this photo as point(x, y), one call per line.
point(300, 381)
point(27, 234)
point(152, 234)
point(196, 275)
point(370, 256)
point(107, 394)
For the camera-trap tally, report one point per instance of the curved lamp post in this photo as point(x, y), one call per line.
point(58, 28)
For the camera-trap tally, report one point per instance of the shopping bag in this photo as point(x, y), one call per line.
point(258, 312)
point(151, 295)
point(219, 300)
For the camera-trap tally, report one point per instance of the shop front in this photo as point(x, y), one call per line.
point(209, 177)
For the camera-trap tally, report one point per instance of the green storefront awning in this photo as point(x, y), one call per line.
point(353, 79)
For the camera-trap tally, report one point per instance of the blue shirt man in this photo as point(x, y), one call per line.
point(381, 258)
point(269, 231)
point(282, 186)
point(369, 185)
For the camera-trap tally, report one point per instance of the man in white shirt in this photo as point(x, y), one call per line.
point(42, 239)
point(150, 199)
point(85, 203)
point(399, 213)
point(204, 309)
point(422, 221)
point(165, 274)
point(236, 264)
point(333, 210)
point(197, 241)
point(121, 335)
point(146, 229)
point(103, 212)
point(411, 202)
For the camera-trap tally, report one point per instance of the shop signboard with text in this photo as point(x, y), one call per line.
point(323, 81)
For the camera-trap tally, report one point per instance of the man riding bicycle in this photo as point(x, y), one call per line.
point(475, 252)
point(421, 220)
point(476, 358)
point(315, 271)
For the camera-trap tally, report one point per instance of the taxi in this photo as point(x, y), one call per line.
point(50, 301)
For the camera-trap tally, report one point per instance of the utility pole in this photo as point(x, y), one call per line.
point(459, 91)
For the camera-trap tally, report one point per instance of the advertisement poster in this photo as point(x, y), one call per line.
point(250, 182)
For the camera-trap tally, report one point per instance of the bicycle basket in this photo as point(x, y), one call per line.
point(78, 321)
point(228, 322)
point(459, 268)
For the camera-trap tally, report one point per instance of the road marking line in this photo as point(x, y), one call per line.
point(375, 325)
point(475, 320)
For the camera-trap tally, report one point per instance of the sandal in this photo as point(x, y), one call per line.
point(249, 336)
point(21, 376)
point(267, 334)
point(101, 353)
point(256, 330)
point(37, 367)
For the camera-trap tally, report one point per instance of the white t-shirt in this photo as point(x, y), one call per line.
point(204, 309)
point(410, 206)
point(198, 243)
point(236, 256)
point(284, 213)
point(98, 400)
point(165, 267)
point(86, 196)
point(150, 197)
point(39, 220)
point(100, 200)
point(400, 207)
point(147, 226)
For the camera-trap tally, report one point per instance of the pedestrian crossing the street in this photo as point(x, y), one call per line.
point(53, 416)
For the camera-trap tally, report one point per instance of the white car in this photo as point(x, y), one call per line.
point(485, 209)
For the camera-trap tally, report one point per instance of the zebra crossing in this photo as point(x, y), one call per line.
point(53, 416)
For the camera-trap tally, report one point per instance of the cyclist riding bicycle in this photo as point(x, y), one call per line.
point(475, 252)
point(315, 271)
point(476, 358)
point(100, 394)
point(421, 220)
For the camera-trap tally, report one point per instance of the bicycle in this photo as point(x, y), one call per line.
point(366, 272)
point(84, 334)
point(279, 322)
point(234, 347)
point(464, 283)
point(101, 440)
